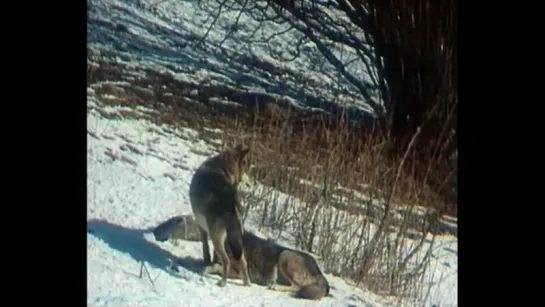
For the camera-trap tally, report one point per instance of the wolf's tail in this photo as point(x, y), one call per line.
point(234, 235)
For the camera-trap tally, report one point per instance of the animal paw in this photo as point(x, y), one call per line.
point(247, 283)
point(221, 283)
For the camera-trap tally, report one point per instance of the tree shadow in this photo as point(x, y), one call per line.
point(175, 43)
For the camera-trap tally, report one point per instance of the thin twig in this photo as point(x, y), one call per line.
point(144, 267)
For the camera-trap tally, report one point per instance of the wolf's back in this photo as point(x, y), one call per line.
point(211, 192)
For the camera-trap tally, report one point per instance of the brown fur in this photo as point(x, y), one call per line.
point(213, 194)
point(279, 268)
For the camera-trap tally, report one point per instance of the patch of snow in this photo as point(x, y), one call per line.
point(125, 201)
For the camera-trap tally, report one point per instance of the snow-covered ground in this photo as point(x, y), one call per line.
point(138, 173)
point(133, 192)
point(138, 176)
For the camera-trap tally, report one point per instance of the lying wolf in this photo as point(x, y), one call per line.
point(278, 267)
point(265, 258)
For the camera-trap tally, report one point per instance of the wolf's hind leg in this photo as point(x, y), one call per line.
point(205, 247)
point(218, 238)
point(245, 276)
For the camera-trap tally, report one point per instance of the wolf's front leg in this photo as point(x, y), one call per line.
point(272, 277)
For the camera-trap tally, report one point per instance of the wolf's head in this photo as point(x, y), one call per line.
point(164, 230)
point(181, 227)
point(234, 163)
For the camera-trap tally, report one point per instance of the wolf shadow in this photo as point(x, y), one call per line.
point(132, 242)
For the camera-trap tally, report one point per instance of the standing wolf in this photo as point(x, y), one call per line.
point(279, 268)
point(213, 194)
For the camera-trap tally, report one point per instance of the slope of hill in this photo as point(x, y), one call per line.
point(169, 38)
point(144, 55)
point(138, 176)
